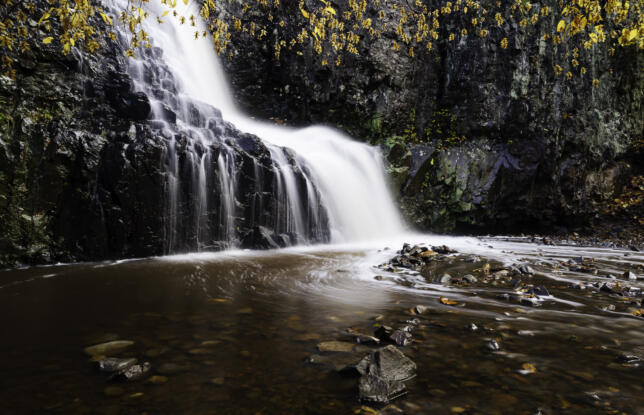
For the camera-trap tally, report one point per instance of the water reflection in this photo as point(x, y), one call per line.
point(232, 332)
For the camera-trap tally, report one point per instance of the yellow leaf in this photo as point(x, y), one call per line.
point(561, 26)
point(106, 18)
point(43, 18)
point(47, 40)
point(329, 10)
point(185, 2)
point(447, 301)
point(165, 13)
point(632, 34)
point(528, 368)
point(304, 13)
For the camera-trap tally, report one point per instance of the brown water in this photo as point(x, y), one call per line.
point(241, 326)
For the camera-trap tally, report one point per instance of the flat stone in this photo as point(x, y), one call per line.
point(156, 380)
point(336, 346)
point(108, 348)
point(345, 363)
point(156, 352)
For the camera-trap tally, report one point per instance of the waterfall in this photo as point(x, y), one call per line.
point(319, 185)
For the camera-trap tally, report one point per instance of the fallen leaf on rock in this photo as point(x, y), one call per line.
point(447, 301)
point(527, 368)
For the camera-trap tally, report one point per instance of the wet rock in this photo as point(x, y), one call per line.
point(627, 359)
point(401, 337)
point(132, 373)
point(630, 275)
point(493, 345)
point(156, 352)
point(446, 279)
point(421, 309)
point(109, 348)
point(260, 237)
point(114, 364)
point(540, 291)
point(384, 332)
point(607, 289)
point(526, 270)
point(471, 279)
point(374, 389)
point(443, 250)
point(362, 338)
point(383, 373)
point(530, 301)
point(156, 380)
point(365, 339)
point(336, 346)
point(340, 362)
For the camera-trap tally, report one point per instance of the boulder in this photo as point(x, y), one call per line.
point(383, 373)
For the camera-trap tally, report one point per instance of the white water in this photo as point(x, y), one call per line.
point(349, 174)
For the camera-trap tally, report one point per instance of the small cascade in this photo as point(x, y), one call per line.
point(230, 179)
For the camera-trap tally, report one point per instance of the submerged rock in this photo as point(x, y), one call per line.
point(336, 346)
point(171, 368)
point(132, 373)
point(156, 380)
point(109, 348)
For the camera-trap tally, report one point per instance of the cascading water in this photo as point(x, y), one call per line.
point(321, 185)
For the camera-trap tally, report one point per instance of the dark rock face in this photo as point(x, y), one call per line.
point(478, 138)
point(90, 170)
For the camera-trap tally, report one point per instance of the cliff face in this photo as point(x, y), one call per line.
point(87, 173)
point(478, 138)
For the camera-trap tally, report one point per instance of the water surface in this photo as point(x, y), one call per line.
point(240, 326)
